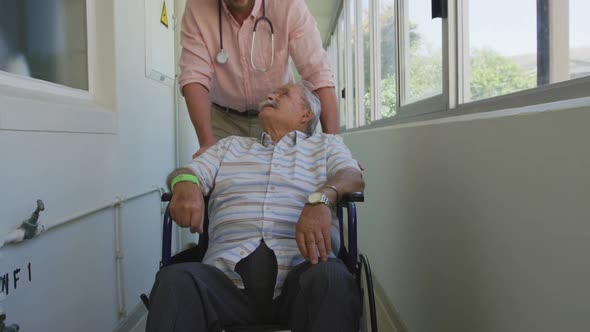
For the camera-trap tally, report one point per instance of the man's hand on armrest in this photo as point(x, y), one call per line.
point(312, 232)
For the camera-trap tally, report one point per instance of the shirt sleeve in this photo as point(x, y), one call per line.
point(339, 156)
point(207, 165)
point(305, 47)
point(195, 60)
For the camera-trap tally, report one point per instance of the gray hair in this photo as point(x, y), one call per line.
point(312, 102)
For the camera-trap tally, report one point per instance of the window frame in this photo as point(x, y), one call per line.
point(350, 66)
point(552, 92)
point(456, 89)
point(33, 104)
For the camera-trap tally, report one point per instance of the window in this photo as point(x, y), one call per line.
point(399, 62)
point(45, 40)
point(366, 68)
point(342, 70)
point(579, 38)
point(423, 52)
point(387, 47)
point(57, 70)
point(502, 47)
point(548, 45)
point(351, 63)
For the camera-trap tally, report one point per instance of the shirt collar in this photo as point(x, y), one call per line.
point(265, 139)
point(256, 9)
point(290, 140)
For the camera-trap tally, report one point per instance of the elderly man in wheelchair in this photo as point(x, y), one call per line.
point(271, 232)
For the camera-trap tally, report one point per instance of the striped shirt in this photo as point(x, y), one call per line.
point(257, 190)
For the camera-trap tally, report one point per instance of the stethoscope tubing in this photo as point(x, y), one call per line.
point(222, 57)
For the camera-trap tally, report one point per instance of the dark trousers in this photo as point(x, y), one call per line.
point(198, 297)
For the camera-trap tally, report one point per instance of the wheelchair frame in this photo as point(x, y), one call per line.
point(354, 261)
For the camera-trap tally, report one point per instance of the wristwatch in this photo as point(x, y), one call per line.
point(317, 198)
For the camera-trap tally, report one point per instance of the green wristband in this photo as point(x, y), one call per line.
point(184, 178)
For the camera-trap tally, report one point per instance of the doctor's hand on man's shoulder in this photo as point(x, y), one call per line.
point(203, 148)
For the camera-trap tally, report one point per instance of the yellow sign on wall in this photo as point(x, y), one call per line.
point(164, 16)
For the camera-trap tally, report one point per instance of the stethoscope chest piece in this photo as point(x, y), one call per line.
point(221, 57)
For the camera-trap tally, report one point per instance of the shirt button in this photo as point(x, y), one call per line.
point(273, 187)
point(242, 253)
point(268, 208)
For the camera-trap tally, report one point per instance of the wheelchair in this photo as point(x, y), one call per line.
point(356, 263)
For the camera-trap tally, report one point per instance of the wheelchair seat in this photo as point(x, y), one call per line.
point(350, 256)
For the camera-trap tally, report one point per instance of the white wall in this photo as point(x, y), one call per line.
point(481, 225)
point(73, 266)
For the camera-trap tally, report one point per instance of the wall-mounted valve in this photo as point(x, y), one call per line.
point(4, 328)
point(30, 226)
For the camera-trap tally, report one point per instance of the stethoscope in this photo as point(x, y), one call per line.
point(222, 57)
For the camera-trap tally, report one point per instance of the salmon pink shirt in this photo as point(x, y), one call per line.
point(236, 83)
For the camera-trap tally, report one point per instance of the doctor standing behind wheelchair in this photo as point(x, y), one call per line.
point(235, 51)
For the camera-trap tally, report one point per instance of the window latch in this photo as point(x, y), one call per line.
point(439, 8)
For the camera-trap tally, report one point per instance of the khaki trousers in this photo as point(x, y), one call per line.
point(227, 124)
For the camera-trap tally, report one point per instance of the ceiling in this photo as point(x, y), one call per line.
point(324, 12)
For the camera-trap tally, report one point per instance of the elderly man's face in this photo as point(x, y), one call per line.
point(285, 108)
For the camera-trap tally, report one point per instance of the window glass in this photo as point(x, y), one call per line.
point(366, 60)
point(341, 69)
point(46, 40)
point(579, 53)
point(502, 47)
point(423, 51)
point(387, 35)
point(351, 84)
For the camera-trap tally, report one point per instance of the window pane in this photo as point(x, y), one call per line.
point(423, 51)
point(503, 54)
point(45, 39)
point(366, 60)
point(579, 64)
point(341, 70)
point(351, 84)
point(387, 37)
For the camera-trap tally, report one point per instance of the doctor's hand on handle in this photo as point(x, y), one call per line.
point(312, 232)
point(187, 206)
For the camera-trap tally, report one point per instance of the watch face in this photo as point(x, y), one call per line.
point(315, 197)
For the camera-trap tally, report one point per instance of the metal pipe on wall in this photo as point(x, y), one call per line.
point(18, 236)
point(117, 200)
point(119, 261)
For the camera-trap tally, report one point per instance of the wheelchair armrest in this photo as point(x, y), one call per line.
point(352, 197)
point(187, 255)
point(350, 256)
point(166, 197)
